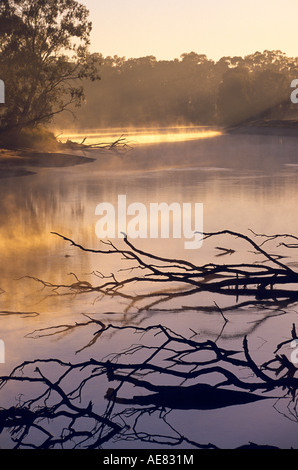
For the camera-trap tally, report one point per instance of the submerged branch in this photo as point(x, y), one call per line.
point(271, 279)
point(168, 371)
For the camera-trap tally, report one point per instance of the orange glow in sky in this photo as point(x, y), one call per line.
point(168, 28)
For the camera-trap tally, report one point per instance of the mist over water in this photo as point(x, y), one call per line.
point(139, 136)
point(244, 182)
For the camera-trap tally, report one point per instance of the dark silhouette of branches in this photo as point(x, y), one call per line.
point(165, 372)
point(268, 280)
point(6, 313)
point(276, 236)
point(120, 143)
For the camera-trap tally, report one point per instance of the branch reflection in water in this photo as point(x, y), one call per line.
point(169, 371)
point(95, 403)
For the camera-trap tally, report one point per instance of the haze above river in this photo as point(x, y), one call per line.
point(244, 182)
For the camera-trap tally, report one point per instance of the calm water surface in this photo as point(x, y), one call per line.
point(244, 182)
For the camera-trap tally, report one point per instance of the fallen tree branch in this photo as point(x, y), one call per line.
point(185, 370)
point(120, 143)
point(270, 280)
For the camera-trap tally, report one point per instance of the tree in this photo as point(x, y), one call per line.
point(234, 97)
point(43, 58)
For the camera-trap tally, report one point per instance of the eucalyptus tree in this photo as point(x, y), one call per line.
point(44, 57)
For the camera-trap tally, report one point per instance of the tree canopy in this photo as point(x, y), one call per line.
point(43, 58)
point(47, 68)
point(191, 90)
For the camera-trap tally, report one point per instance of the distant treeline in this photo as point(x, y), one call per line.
point(192, 90)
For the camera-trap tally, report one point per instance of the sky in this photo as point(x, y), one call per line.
point(168, 28)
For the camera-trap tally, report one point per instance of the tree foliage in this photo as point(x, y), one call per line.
point(192, 90)
point(43, 57)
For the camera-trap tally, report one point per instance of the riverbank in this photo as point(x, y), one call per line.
point(284, 128)
point(21, 155)
point(26, 161)
point(15, 163)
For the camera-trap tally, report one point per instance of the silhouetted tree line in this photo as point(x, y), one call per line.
point(190, 90)
point(47, 68)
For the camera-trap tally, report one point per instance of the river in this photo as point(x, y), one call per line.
point(243, 182)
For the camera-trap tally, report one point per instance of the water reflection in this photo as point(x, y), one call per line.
point(143, 135)
point(199, 376)
point(243, 182)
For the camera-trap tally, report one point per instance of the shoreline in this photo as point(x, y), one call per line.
point(24, 162)
point(278, 128)
point(15, 163)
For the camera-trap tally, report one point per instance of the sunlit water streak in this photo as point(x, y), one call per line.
point(141, 136)
point(243, 182)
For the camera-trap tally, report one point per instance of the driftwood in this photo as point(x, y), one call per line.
point(120, 143)
point(266, 281)
point(58, 402)
point(166, 371)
